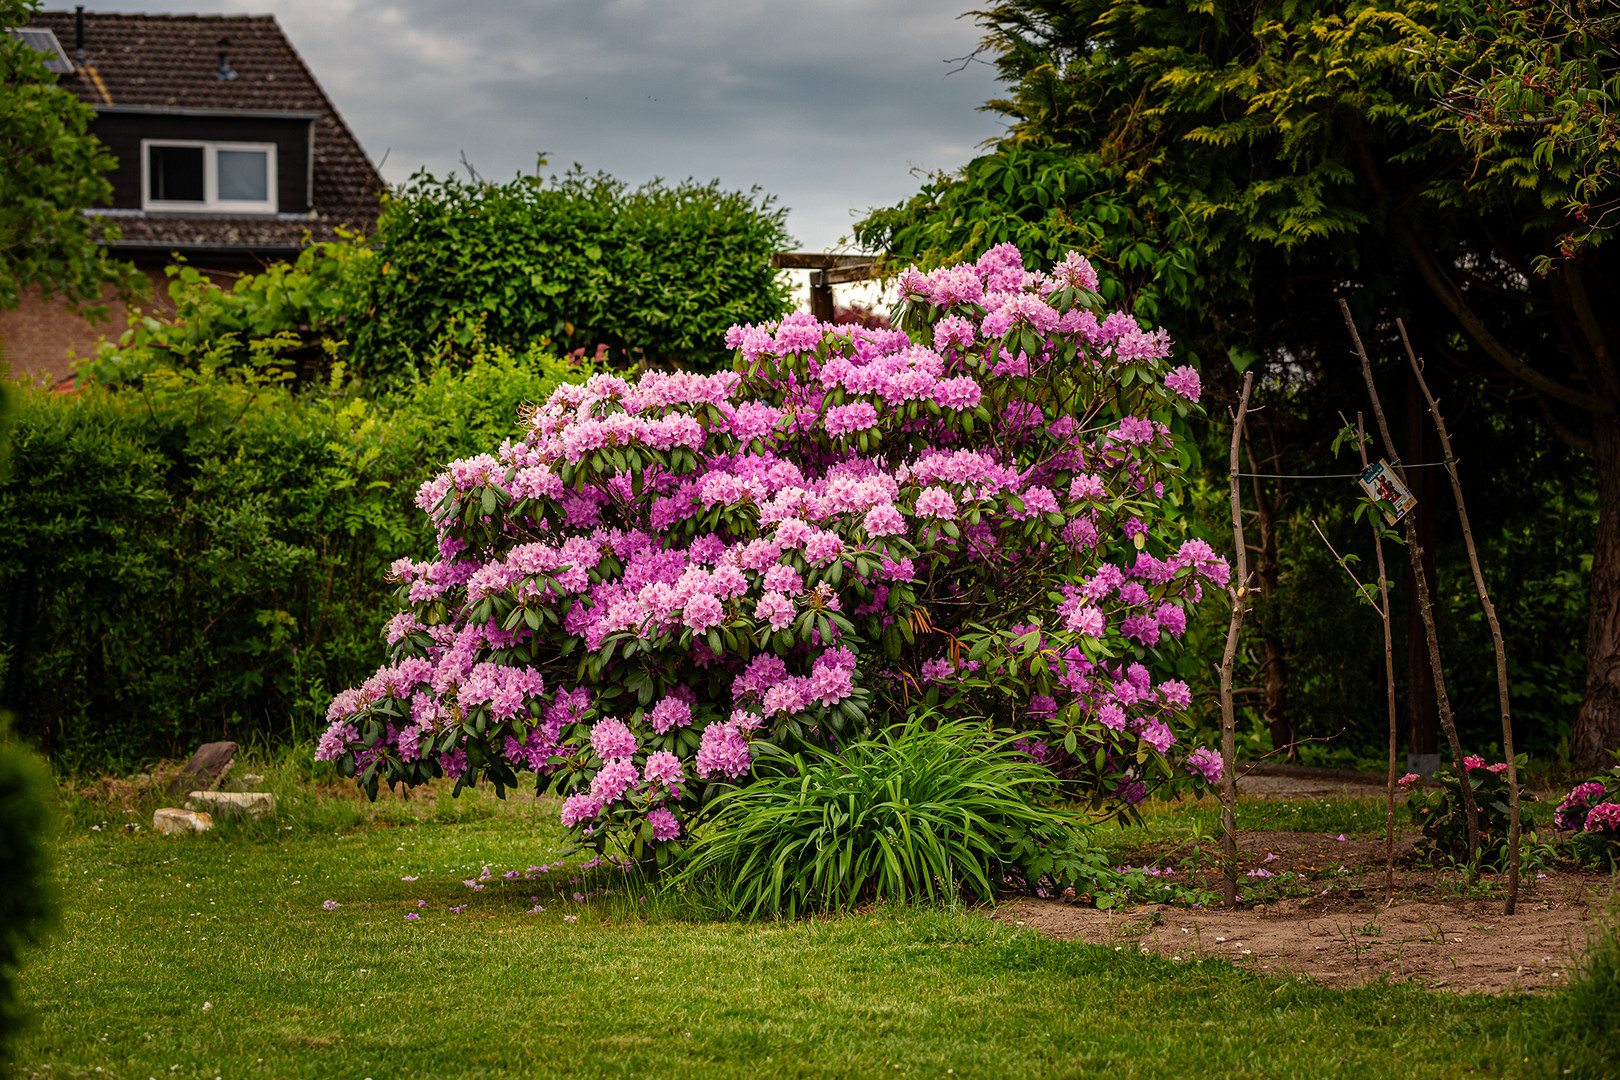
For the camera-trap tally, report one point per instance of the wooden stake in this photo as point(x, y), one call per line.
point(1425, 606)
point(1512, 901)
point(1237, 589)
point(1389, 678)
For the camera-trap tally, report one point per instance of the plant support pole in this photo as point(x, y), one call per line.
point(1389, 678)
point(1425, 606)
point(1512, 901)
point(1236, 589)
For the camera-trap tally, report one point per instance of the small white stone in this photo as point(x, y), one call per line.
point(173, 822)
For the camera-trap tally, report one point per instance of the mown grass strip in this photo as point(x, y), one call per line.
point(156, 928)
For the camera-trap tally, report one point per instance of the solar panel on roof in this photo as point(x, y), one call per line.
point(44, 41)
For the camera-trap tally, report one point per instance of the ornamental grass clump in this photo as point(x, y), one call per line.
point(917, 813)
point(654, 580)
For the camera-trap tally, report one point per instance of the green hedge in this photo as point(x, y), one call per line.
point(658, 272)
point(203, 556)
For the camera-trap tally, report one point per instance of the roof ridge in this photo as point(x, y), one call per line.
point(197, 15)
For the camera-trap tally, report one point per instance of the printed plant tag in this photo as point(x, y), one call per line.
point(1381, 484)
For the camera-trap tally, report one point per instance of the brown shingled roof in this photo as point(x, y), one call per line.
point(170, 61)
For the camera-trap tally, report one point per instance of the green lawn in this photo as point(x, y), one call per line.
point(213, 956)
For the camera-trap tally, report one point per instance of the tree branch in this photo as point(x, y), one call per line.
point(1448, 294)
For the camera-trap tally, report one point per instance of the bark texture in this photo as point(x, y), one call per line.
point(1597, 724)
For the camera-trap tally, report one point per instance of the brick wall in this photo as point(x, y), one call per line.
point(41, 337)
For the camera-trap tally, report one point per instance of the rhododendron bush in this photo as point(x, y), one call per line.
point(977, 511)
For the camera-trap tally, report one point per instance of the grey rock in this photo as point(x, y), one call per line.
point(203, 770)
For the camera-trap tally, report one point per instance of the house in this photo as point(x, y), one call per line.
point(229, 154)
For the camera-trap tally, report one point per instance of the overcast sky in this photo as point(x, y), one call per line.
point(830, 105)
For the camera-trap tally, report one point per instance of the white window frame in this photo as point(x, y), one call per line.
point(212, 203)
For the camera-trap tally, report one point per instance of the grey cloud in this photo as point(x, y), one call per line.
point(828, 106)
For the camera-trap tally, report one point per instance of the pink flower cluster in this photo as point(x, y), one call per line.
point(1574, 813)
point(1604, 817)
point(783, 552)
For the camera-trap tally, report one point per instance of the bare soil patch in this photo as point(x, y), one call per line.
point(1439, 931)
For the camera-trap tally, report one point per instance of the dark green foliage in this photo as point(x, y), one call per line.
point(657, 272)
point(1238, 167)
point(51, 170)
point(1438, 811)
point(917, 813)
point(205, 555)
point(27, 896)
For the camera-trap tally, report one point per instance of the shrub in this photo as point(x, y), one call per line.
point(280, 315)
point(658, 272)
point(655, 273)
point(1592, 812)
point(1439, 812)
point(27, 902)
point(201, 555)
point(915, 813)
point(978, 512)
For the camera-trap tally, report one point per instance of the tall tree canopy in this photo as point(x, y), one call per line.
point(51, 171)
point(1241, 165)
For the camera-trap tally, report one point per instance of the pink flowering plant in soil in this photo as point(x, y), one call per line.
point(1592, 812)
point(1438, 810)
point(977, 511)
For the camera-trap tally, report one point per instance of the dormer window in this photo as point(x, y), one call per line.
point(215, 177)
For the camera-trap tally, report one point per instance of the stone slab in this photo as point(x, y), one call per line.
point(175, 822)
point(251, 803)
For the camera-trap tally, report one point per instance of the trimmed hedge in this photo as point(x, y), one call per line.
point(204, 556)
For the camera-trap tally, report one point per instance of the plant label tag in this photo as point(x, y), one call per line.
point(1382, 485)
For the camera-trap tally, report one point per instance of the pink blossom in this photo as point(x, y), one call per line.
point(1604, 817)
point(611, 739)
point(722, 749)
point(936, 503)
point(775, 609)
point(664, 824)
point(822, 548)
point(847, 419)
point(1206, 761)
point(884, 520)
point(579, 808)
point(1184, 381)
point(616, 777)
point(702, 612)
point(662, 771)
point(670, 712)
point(1086, 620)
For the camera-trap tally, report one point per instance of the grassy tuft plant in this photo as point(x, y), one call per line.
point(918, 813)
point(1580, 1021)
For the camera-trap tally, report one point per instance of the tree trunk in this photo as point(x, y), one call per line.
point(1597, 724)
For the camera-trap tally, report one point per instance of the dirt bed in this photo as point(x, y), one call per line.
point(1440, 931)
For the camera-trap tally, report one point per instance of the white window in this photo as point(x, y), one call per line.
point(214, 177)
